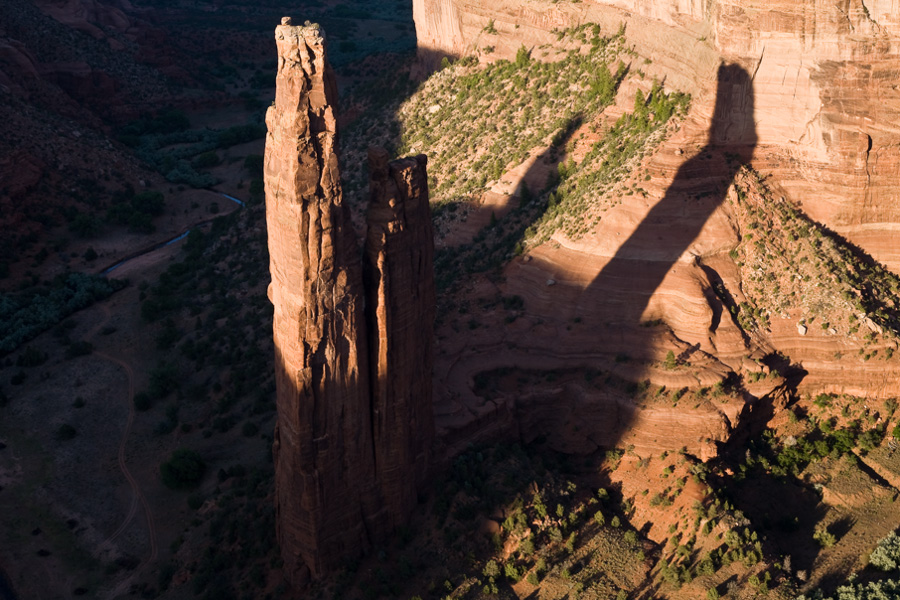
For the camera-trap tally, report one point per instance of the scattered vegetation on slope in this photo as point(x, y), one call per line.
point(794, 267)
point(476, 122)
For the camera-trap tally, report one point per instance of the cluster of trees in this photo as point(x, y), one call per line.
point(24, 316)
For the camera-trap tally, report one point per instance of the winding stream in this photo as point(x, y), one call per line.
point(165, 243)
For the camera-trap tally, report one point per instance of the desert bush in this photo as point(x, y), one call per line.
point(254, 165)
point(143, 401)
point(65, 432)
point(79, 348)
point(85, 225)
point(23, 316)
point(31, 357)
point(887, 589)
point(164, 379)
point(825, 538)
point(886, 555)
point(206, 160)
point(184, 469)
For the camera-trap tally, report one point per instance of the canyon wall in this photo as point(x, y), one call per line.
point(826, 110)
point(819, 112)
point(352, 444)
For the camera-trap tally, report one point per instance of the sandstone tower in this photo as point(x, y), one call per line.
point(355, 425)
point(400, 300)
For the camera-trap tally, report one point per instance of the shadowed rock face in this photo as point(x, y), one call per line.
point(401, 305)
point(348, 454)
point(822, 74)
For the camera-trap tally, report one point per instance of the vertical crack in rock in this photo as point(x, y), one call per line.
point(400, 300)
point(352, 439)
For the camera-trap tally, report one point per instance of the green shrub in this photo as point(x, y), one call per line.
point(65, 432)
point(206, 160)
point(143, 401)
point(79, 348)
point(886, 555)
point(31, 357)
point(164, 380)
point(184, 469)
point(85, 225)
point(825, 538)
point(254, 165)
point(23, 316)
point(523, 57)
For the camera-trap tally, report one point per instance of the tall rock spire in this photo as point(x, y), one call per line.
point(350, 453)
point(324, 471)
point(400, 302)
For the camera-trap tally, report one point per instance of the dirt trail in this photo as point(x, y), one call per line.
point(137, 495)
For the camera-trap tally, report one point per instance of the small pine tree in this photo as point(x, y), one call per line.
point(670, 360)
point(523, 57)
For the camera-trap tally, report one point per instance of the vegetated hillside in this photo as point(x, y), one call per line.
point(499, 138)
point(795, 268)
point(637, 521)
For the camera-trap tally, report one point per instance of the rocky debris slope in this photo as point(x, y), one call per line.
point(58, 82)
point(351, 441)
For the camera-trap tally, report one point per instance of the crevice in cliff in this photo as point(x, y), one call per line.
point(868, 154)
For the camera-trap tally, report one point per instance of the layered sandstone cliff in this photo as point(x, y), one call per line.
point(352, 443)
point(816, 109)
point(826, 109)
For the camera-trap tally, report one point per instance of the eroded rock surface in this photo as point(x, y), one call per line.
point(822, 76)
point(820, 119)
point(351, 443)
point(324, 474)
point(401, 305)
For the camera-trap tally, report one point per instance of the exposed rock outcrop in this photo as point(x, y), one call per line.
point(324, 469)
point(351, 444)
point(822, 118)
point(401, 306)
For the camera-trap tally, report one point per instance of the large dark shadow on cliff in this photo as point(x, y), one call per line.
point(612, 306)
point(642, 262)
point(639, 266)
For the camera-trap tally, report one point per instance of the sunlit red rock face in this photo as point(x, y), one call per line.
point(824, 116)
point(823, 77)
point(324, 468)
point(355, 426)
